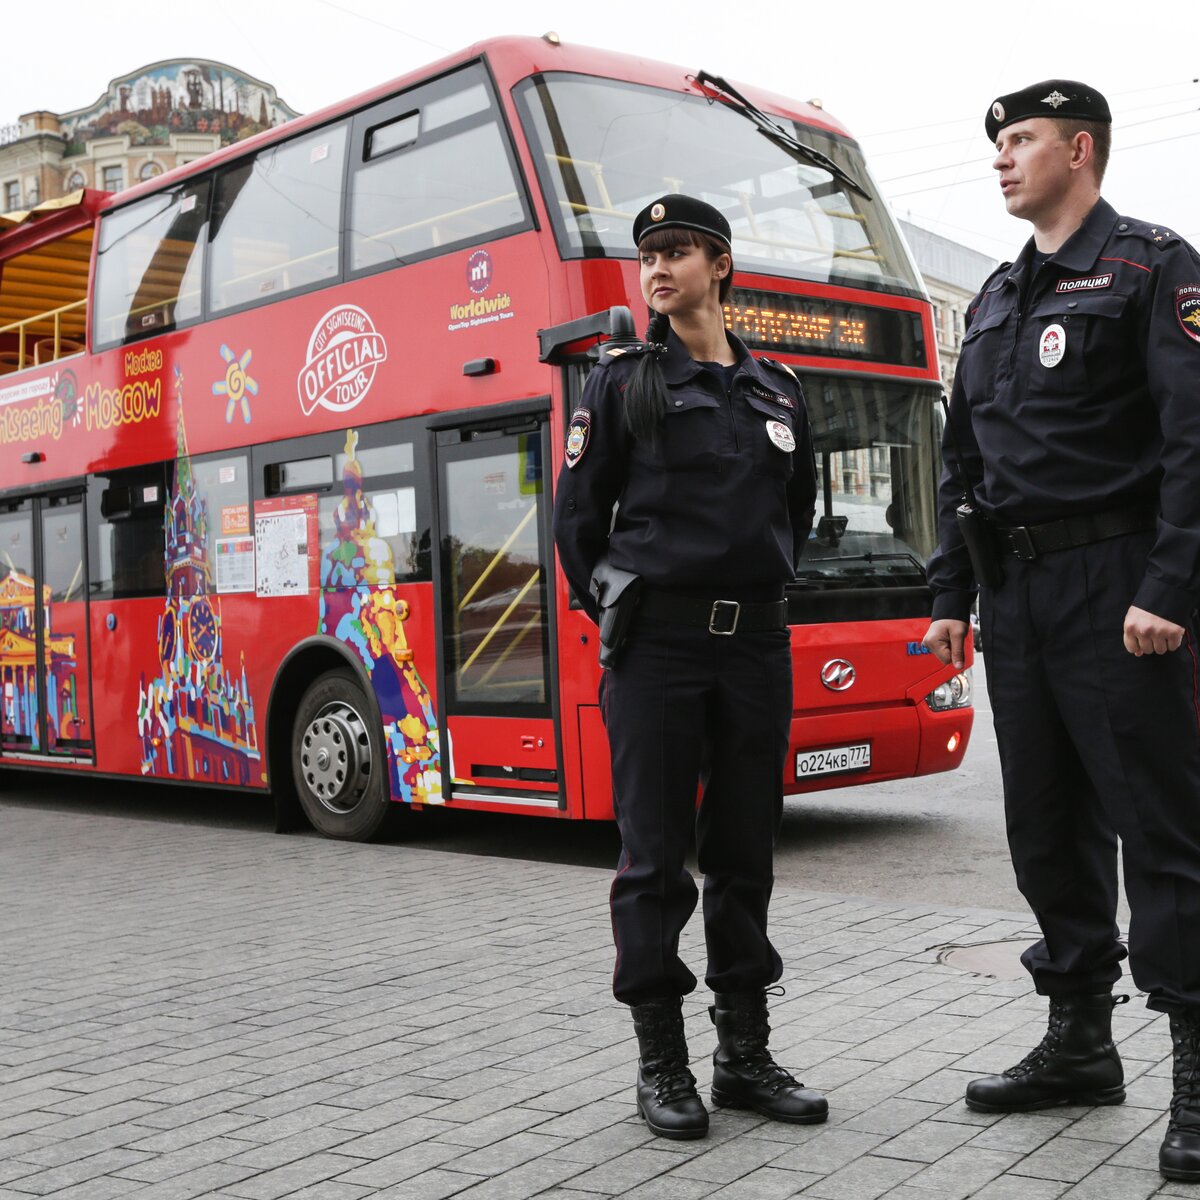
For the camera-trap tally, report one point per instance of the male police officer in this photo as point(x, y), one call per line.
point(1076, 415)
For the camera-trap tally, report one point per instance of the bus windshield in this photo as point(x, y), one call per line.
point(605, 149)
point(876, 445)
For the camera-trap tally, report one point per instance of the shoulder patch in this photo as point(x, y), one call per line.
point(578, 433)
point(1187, 309)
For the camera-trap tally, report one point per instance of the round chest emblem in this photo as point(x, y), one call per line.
point(1052, 346)
point(781, 436)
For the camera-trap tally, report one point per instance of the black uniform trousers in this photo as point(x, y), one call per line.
point(1095, 745)
point(682, 703)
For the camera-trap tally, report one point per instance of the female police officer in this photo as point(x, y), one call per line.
point(689, 465)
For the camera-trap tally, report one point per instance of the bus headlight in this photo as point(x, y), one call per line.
point(954, 693)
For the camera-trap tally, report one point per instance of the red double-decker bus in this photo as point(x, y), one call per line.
point(279, 432)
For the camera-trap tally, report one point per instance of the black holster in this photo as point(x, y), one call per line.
point(979, 537)
point(616, 593)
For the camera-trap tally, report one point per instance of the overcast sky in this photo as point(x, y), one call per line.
point(911, 81)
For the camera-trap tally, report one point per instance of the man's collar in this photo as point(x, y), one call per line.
point(1079, 252)
point(1083, 247)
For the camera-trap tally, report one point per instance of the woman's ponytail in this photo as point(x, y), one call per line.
point(646, 393)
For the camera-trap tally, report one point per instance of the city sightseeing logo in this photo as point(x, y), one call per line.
point(343, 355)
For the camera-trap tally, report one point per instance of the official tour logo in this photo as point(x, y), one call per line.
point(1187, 309)
point(344, 352)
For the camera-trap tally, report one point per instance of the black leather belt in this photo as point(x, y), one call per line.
point(1028, 542)
point(719, 617)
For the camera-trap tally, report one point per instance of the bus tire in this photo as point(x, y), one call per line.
point(338, 760)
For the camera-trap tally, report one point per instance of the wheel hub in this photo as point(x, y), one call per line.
point(335, 755)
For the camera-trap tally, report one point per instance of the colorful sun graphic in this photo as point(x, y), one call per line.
point(237, 385)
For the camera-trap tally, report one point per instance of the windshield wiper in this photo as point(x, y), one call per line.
point(777, 134)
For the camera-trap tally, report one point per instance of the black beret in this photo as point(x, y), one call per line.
point(681, 212)
point(1050, 98)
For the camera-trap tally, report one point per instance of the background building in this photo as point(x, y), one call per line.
point(146, 122)
point(953, 273)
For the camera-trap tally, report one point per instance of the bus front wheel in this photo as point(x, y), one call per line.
point(338, 760)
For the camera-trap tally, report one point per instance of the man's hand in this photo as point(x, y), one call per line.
point(1146, 634)
point(946, 639)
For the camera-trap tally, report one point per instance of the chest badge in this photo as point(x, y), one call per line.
point(781, 436)
point(1052, 346)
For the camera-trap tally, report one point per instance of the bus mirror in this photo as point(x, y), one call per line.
point(831, 530)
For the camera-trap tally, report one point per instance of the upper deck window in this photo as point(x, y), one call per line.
point(605, 149)
point(148, 265)
point(276, 221)
point(433, 171)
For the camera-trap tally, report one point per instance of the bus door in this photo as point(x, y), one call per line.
point(45, 690)
point(497, 701)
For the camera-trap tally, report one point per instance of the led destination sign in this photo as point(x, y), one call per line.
point(830, 328)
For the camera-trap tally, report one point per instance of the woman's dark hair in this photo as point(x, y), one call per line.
point(646, 393)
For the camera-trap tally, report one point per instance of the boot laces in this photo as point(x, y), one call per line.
point(1041, 1054)
point(753, 1033)
point(668, 1065)
point(1185, 1042)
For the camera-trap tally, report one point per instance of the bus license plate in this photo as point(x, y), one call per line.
point(834, 760)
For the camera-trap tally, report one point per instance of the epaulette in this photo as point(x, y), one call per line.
point(779, 366)
point(1002, 269)
point(610, 353)
point(1156, 235)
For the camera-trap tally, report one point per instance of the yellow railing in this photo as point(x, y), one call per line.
point(45, 348)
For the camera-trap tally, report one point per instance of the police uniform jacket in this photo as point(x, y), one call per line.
point(715, 504)
point(1078, 392)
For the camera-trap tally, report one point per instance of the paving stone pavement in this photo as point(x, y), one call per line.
point(198, 1012)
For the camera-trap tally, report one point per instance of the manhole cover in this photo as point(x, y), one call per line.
point(997, 960)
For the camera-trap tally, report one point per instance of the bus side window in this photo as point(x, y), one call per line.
point(149, 264)
point(126, 512)
point(276, 221)
point(222, 485)
point(433, 171)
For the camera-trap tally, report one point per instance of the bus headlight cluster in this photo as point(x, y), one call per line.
point(954, 693)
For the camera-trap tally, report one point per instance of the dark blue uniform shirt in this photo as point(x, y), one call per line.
point(1078, 392)
point(716, 505)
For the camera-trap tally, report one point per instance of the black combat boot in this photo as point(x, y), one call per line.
point(666, 1089)
point(1179, 1156)
point(744, 1073)
point(1075, 1063)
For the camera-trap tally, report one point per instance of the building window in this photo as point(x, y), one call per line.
point(12, 195)
point(75, 181)
point(111, 179)
point(150, 170)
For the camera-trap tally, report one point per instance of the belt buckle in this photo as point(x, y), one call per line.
point(720, 606)
point(1022, 543)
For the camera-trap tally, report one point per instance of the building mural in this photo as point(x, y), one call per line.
point(359, 606)
point(196, 718)
point(179, 96)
